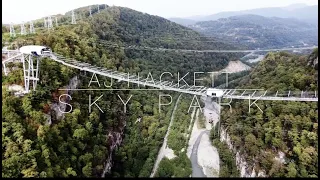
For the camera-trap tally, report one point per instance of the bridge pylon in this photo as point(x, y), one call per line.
point(49, 25)
point(56, 21)
point(219, 111)
point(12, 32)
point(30, 70)
point(73, 18)
point(23, 29)
point(32, 31)
point(45, 25)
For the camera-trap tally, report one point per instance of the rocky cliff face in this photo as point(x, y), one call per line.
point(114, 137)
point(313, 59)
point(313, 62)
point(246, 170)
point(114, 140)
point(236, 66)
point(73, 84)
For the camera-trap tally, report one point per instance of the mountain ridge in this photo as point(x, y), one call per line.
point(305, 13)
point(260, 32)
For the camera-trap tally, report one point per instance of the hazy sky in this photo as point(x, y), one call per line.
point(17, 11)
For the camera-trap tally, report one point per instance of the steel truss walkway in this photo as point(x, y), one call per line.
point(253, 94)
point(146, 48)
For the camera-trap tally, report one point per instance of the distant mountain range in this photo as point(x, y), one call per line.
point(302, 12)
point(182, 21)
point(256, 31)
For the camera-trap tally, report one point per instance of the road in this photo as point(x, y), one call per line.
point(164, 145)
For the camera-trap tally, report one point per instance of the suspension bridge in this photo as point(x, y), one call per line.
point(31, 72)
point(146, 48)
point(31, 69)
point(30, 63)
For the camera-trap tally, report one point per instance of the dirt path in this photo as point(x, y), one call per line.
point(164, 145)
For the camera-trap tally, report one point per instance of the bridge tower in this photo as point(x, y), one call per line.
point(31, 28)
point(12, 32)
point(30, 70)
point(98, 8)
point(56, 21)
point(23, 29)
point(45, 23)
point(73, 18)
point(50, 26)
point(90, 11)
point(219, 111)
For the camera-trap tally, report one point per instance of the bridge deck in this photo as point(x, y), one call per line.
point(253, 94)
point(198, 90)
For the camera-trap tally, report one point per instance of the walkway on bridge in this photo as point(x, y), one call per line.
point(253, 94)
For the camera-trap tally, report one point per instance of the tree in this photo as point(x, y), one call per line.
point(87, 170)
point(71, 172)
point(81, 134)
point(292, 172)
point(165, 168)
point(31, 171)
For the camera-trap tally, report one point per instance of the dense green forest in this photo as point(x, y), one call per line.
point(283, 126)
point(79, 144)
point(228, 167)
point(179, 166)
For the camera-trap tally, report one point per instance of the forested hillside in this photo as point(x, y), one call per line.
point(117, 26)
point(299, 11)
point(83, 142)
point(283, 127)
point(256, 31)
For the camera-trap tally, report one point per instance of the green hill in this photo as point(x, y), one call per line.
point(256, 31)
point(288, 127)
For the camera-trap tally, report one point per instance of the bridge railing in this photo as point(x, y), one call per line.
point(265, 94)
point(124, 76)
point(199, 90)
